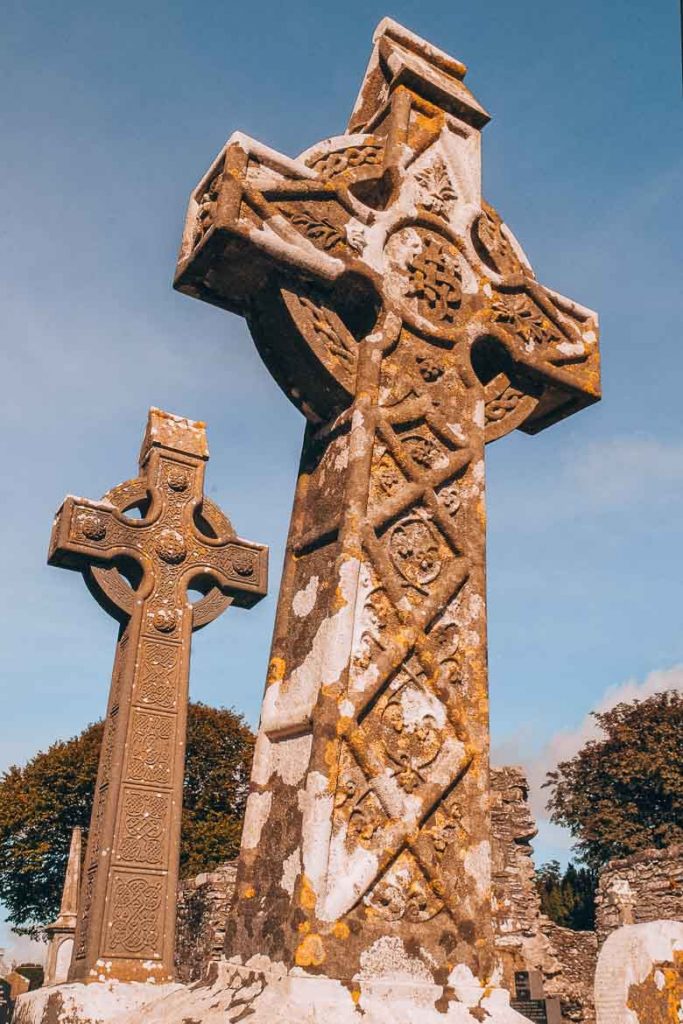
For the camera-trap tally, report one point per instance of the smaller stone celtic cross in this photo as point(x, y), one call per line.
point(140, 569)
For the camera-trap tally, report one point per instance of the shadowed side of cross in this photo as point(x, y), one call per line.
point(402, 317)
point(127, 905)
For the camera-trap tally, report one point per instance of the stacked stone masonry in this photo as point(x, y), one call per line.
point(203, 907)
point(648, 886)
point(526, 940)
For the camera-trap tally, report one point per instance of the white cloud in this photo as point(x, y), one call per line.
point(565, 743)
point(616, 470)
point(19, 949)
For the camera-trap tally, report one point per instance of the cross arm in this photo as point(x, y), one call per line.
point(246, 218)
point(239, 567)
point(86, 533)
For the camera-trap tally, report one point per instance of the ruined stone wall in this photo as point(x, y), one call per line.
point(203, 905)
point(526, 940)
point(647, 886)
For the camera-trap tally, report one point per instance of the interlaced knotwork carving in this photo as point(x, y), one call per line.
point(144, 827)
point(435, 280)
point(328, 333)
point(131, 824)
point(135, 928)
point(151, 748)
point(379, 649)
point(339, 161)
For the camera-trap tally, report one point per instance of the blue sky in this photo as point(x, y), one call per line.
point(111, 112)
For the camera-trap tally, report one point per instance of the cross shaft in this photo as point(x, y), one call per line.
point(400, 314)
point(126, 917)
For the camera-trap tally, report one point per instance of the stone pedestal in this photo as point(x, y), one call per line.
point(392, 988)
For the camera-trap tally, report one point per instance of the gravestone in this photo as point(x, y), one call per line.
point(126, 914)
point(401, 316)
point(639, 977)
point(61, 932)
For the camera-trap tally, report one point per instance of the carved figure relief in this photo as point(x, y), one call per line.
point(205, 208)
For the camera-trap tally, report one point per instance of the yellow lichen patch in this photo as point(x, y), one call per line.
point(276, 670)
point(248, 892)
point(304, 927)
point(658, 999)
point(310, 952)
point(307, 897)
point(355, 994)
point(341, 930)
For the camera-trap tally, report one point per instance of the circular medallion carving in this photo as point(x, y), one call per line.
point(170, 545)
point(243, 564)
point(92, 526)
point(164, 620)
point(414, 551)
point(177, 480)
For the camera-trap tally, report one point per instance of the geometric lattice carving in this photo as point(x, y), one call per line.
point(401, 317)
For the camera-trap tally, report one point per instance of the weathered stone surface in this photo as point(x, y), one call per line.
point(647, 886)
point(401, 316)
point(126, 915)
point(95, 1003)
point(639, 977)
point(61, 932)
point(203, 907)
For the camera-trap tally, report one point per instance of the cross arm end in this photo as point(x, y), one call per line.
point(81, 533)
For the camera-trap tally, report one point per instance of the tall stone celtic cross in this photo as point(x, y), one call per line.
point(401, 316)
point(126, 916)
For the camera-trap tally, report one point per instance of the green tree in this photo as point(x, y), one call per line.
point(624, 792)
point(567, 899)
point(43, 801)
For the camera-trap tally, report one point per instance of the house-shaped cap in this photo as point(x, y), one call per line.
point(164, 430)
point(399, 57)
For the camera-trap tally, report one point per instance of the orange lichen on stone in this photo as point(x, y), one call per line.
point(659, 999)
point(310, 952)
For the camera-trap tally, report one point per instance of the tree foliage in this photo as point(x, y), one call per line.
point(43, 801)
point(624, 792)
point(567, 899)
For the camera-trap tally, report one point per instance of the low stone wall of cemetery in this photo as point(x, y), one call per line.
point(647, 886)
point(203, 905)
